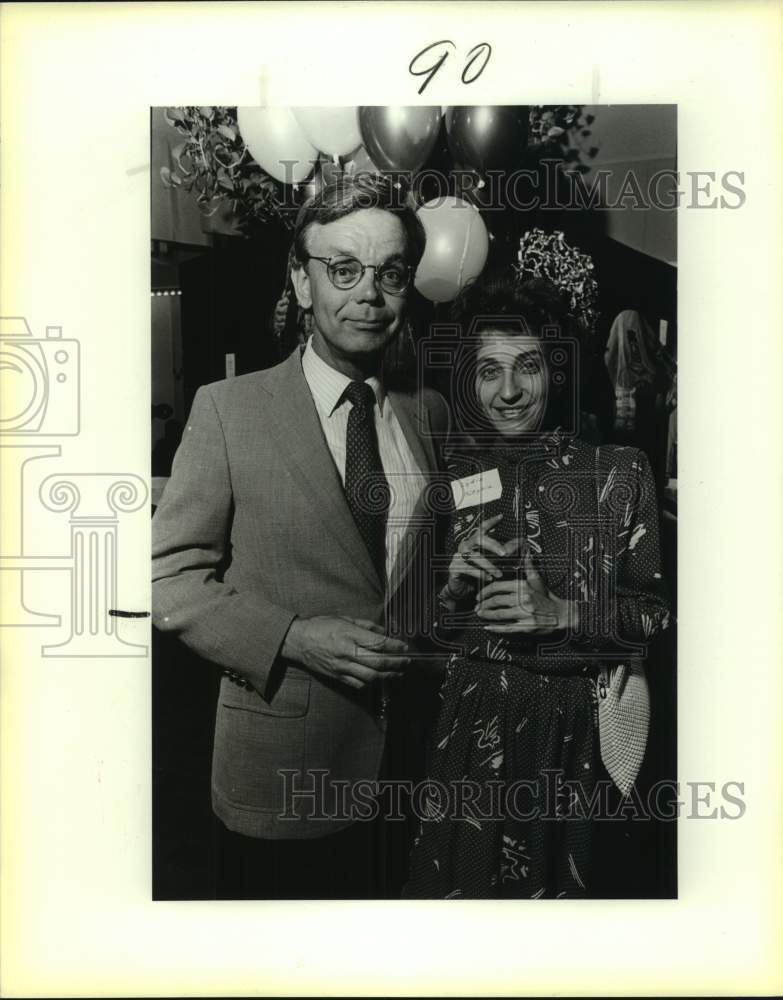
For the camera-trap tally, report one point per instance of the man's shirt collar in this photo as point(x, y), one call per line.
point(328, 385)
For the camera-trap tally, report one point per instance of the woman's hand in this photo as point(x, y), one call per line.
point(524, 605)
point(471, 565)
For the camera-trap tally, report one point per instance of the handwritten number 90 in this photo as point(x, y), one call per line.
point(422, 64)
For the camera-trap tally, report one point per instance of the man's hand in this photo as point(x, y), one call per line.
point(524, 605)
point(353, 651)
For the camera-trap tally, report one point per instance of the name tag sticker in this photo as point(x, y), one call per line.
point(481, 488)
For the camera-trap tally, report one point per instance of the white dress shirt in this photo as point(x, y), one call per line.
point(406, 479)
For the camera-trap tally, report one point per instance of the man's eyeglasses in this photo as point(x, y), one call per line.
point(346, 272)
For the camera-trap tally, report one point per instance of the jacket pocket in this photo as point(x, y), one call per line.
point(290, 700)
point(256, 740)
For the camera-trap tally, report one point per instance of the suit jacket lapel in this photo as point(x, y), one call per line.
point(298, 429)
point(414, 419)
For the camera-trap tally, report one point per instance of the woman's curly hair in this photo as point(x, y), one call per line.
point(501, 295)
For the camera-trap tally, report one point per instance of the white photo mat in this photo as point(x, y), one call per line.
point(76, 88)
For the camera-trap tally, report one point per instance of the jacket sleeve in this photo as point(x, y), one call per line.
point(440, 424)
point(640, 607)
point(191, 533)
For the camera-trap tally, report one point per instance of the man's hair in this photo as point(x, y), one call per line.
point(351, 193)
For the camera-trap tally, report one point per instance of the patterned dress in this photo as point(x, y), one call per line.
point(515, 745)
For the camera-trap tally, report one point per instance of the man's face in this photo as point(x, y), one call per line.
point(353, 325)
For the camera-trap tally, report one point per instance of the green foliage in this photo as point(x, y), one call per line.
point(558, 132)
point(213, 163)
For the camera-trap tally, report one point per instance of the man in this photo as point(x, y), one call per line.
point(283, 539)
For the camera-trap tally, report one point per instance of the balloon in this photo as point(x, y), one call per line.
point(493, 137)
point(456, 251)
point(335, 131)
point(399, 138)
point(273, 136)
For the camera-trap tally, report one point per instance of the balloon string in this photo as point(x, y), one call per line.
point(465, 246)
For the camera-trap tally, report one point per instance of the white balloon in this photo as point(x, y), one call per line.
point(335, 131)
point(277, 143)
point(456, 250)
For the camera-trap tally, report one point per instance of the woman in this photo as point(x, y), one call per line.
point(553, 589)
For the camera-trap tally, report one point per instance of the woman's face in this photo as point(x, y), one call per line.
point(511, 382)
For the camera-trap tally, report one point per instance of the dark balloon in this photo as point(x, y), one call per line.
point(399, 138)
point(491, 137)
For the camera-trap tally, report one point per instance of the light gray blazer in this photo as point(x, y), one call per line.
point(252, 530)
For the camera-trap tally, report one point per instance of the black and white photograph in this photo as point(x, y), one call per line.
point(390, 473)
point(414, 417)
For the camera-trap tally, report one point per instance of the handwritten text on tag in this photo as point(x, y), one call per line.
point(481, 488)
